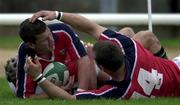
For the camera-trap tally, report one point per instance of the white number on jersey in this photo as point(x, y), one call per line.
point(148, 81)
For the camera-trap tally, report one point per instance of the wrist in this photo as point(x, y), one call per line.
point(39, 79)
point(59, 15)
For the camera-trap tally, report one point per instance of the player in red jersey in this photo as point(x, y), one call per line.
point(135, 71)
point(55, 42)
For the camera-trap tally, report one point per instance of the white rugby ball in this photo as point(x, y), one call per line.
point(57, 73)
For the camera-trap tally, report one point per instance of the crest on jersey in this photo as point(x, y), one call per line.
point(62, 52)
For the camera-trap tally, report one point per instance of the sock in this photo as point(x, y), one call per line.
point(161, 53)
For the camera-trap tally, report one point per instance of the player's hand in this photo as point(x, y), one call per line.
point(70, 84)
point(44, 14)
point(32, 68)
point(90, 53)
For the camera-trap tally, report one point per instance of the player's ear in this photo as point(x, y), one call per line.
point(31, 45)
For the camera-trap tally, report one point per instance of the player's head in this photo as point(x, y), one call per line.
point(28, 31)
point(108, 55)
point(37, 35)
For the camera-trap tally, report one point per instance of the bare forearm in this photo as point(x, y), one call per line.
point(54, 91)
point(93, 78)
point(79, 22)
point(39, 96)
point(83, 73)
point(83, 24)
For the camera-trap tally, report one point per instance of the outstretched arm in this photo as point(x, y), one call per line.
point(53, 91)
point(78, 22)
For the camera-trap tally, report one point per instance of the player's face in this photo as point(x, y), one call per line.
point(44, 42)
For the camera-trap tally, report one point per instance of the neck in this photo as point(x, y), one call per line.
point(119, 75)
point(45, 55)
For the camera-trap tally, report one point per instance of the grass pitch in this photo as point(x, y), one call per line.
point(8, 98)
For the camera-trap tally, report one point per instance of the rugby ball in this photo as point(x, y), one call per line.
point(56, 73)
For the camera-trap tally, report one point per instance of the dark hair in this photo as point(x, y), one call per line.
point(108, 55)
point(29, 30)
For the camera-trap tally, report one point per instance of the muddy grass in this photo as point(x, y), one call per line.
point(6, 54)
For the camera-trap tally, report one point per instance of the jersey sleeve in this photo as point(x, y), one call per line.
point(110, 90)
point(25, 84)
point(124, 42)
point(127, 45)
point(72, 42)
point(106, 91)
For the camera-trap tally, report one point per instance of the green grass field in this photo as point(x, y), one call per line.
point(8, 98)
point(9, 42)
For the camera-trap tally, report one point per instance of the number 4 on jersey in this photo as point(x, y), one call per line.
point(149, 80)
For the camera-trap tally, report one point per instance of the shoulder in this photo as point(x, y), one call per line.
point(23, 46)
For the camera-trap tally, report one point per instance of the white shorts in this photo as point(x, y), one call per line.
point(176, 60)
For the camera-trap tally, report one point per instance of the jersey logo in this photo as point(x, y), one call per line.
point(62, 52)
